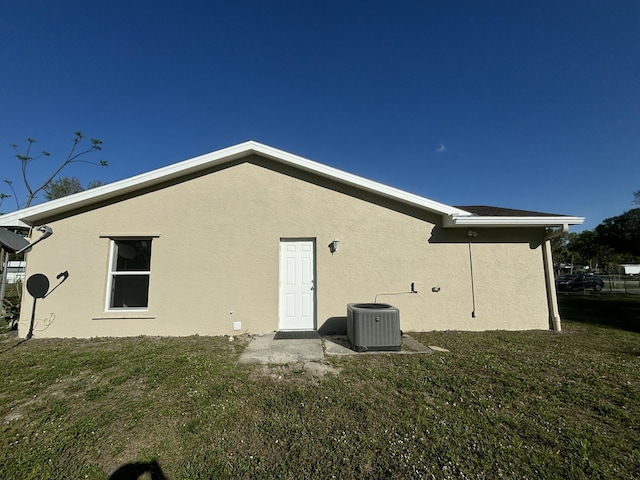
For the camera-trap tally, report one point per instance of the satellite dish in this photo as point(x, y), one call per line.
point(12, 241)
point(38, 285)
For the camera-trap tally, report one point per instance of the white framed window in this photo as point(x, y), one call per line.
point(129, 274)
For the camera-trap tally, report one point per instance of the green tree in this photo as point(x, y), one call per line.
point(582, 247)
point(77, 153)
point(614, 241)
point(560, 249)
point(94, 184)
point(622, 234)
point(63, 186)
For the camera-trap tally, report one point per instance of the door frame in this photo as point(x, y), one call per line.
point(283, 240)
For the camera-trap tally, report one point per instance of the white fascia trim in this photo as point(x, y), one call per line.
point(12, 221)
point(453, 221)
point(122, 186)
point(349, 178)
point(23, 217)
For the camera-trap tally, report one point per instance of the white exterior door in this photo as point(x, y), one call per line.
point(297, 295)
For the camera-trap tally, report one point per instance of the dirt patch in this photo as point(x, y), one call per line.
point(296, 372)
point(62, 388)
point(11, 416)
point(318, 369)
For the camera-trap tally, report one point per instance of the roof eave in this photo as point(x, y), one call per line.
point(32, 215)
point(355, 180)
point(462, 221)
point(12, 221)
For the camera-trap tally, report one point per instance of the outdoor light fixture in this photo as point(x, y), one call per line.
point(333, 246)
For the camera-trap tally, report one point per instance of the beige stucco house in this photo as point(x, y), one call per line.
point(255, 239)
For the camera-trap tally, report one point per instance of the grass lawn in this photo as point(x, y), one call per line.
point(499, 405)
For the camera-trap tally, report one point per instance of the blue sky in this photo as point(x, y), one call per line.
point(531, 105)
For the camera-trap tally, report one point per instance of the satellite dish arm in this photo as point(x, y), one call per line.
point(46, 233)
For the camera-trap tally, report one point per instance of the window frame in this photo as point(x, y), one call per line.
point(112, 273)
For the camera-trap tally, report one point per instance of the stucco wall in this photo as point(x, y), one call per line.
point(215, 260)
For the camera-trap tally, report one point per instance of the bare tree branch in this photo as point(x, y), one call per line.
point(72, 157)
point(15, 196)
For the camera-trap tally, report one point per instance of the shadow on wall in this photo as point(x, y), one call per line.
point(334, 326)
point(135, 471)
point(532, 235)
point(38, 287)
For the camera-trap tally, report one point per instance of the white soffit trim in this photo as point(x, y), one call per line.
point(31, 215)
point(452, 221)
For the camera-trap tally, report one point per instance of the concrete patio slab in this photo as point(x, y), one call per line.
point(335, 345)
point(265, 350)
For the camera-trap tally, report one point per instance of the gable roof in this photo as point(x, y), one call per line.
point(489, 211)
point(452, 216)
point(488, 216)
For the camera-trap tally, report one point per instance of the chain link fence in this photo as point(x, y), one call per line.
point(615, 283)
point(621, 284)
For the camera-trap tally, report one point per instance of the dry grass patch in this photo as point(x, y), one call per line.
point(302, 372)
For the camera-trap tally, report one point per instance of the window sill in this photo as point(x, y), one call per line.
point(130, 235)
